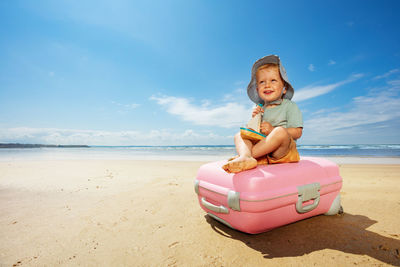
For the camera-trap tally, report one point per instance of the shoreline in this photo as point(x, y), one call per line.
point(358, 160)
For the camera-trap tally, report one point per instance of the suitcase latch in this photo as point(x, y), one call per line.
point(196, 186)
point(234, 200)
point(308, 192)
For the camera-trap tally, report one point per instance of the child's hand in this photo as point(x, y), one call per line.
point(266, 127)
point(257, 110)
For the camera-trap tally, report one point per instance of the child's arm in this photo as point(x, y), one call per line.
point(295, 132)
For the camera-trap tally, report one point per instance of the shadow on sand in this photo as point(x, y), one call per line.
point(345, 232)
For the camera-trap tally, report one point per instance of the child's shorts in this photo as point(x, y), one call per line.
point(291, 156)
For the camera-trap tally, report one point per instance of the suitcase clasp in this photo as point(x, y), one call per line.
point(234, 200)
point(306, 193)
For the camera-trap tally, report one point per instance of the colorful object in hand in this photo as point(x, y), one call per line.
point(250, 134)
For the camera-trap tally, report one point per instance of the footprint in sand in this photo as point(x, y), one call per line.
point(172, 261)
point(173, 244)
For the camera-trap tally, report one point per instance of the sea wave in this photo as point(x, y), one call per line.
point(367, 146)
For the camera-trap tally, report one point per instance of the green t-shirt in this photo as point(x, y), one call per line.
point(287, 115)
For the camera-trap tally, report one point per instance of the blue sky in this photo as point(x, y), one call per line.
point(176, 72)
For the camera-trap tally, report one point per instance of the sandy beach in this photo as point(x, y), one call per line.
point(145, 213)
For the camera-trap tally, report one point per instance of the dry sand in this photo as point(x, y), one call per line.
point(145, 213)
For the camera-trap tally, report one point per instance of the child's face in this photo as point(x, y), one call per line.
point(269, 84)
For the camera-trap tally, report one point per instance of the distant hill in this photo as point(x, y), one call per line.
point(16, 145)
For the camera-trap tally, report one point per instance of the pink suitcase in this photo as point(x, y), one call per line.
point(269, 196)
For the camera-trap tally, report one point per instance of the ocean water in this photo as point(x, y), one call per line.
point(340, 153)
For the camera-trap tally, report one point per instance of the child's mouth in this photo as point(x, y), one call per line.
point(268, 92)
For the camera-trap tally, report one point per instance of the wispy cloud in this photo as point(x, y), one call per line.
point(387, 74)
point(311, 91)
point(311, 67)
point(91, 137)
point(395, 84)
point(377, 109)
point(126, 106)
point(226, 115)
point(331, 62)
point(237, 95)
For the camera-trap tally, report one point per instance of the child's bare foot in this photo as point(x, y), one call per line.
point(235, 157)
point(240, 164)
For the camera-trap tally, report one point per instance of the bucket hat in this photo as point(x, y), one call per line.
point(252, 87)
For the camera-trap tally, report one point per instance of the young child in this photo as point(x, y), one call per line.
point(282, 120)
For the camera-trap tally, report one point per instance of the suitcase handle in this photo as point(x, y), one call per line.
point(208, 205)
point(306, 193)
point(303, 209)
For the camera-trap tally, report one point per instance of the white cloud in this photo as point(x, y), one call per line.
point(205, 103)
point(228, 97)
point(324, 111)
point(91, 137)
point(331, 62)
point(237, 95)
point(387, 74)
point(395, 84)
point(240, 91)
point(126, 106)
point(314, 91)
point(226, 115)
point(133, 105)
point(370, 118)
point(311, 67)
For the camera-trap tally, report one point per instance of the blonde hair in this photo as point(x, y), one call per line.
point(267, 66)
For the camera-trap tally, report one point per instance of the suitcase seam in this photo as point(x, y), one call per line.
point(260, 200)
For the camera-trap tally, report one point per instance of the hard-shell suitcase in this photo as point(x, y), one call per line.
point(269, 196)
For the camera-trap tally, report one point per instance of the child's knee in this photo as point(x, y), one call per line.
point(237, 136)
point(280, 133)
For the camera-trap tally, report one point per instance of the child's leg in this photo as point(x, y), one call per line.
point(276, 144)
point(244, 161)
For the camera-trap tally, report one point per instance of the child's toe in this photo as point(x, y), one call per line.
point(226, 167)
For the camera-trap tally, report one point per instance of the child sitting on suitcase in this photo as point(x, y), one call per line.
point(282, 120)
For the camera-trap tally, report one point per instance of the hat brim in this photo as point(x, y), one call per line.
point(252, 87)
